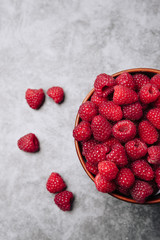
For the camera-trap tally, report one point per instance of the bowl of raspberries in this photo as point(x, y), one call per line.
point(117, 135)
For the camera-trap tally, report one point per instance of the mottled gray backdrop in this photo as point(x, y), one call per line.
point(49, 42)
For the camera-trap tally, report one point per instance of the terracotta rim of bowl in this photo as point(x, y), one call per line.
point(126, 199)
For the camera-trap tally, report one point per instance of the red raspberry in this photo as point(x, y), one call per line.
point(104, 85)
point(35, 97)
point(92, 168)
point(104, 185)
point(87, 111)
point(126, 80)
point(124, 191)
point(28, 143)
point(124, 130)
point(101, 128)
point(55, 183)
point(154, 117)
point(108, 169)
point(140, 191)
point(156, 80)
point(125, 178)
point(140, 80)
point(111, 111)
point(142, 170)
point(82, 132)
point(64, 200)
point(133, 111)
point(56, 93)
point(110, 142)
point(97, 99)
point(136, 149)
point(117, 155)
point(148, 93)
point(88, 146)
point(157, 177)
point(156, 104)
point(147, 132)
point(154, 155)
point(123, 95)
point(97, 154)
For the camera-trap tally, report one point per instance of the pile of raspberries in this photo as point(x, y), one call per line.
point(119, 134)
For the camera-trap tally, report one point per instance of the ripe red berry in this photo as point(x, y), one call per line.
point(110, 142)
point(55, 183)
point(126, 80)
point(147, 132)
point(141, 191)
point(88, 146)
point(108, 169)
point(103, 185)
point(136, 149)
point(125, 178)
point(154, 117)
point(28, 143)
point(35, 97)
point(133, 111)
point(56, 93)
point(97, 99)
point(104, 85)
point(142, 170)
point(82, 132)
point(101, 128)
point(92, 168)
point(154, 155)
point(157, 177)
point(148, 93)
point(111, 111)
point(97, 154)
point(64, 200)
point(87, 111)
point(156, 80)
point(140, 80)
point(124, 130)
point(123, 95)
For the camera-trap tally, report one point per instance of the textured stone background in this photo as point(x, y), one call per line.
point(67, 43)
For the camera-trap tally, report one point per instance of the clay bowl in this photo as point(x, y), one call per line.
point(153, 199)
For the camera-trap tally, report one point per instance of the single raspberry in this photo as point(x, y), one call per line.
point(154, 155)
point(88, 146)
point(148, 93)
point(64, 200)
point(124, 191)
point(103, 185)
point(147, 132)
point(133, 111)
point(125, 178)
point(140, 80)
point(104, 85)
point(92, 168)
point(117, 155)
point(123, 95)
point(157, 177)
point(126, 80)
point(108, 169)
point(97, 154)
point(124, 130)
point(136, 149)
point(82, 132)
point(55, 183)
point(154, 117)
point(101, 128)
point(142, 170)
point(156, 104)
point(111, 111)
point(141, 190)
point(110, 142)
point(156, 80)
point(56, 93)
point(28, 143)
point(97, 99)
point(35, 97)
point(87, 111)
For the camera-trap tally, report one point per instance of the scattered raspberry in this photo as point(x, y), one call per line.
point(28, 143)
point(140, 80)
point(117, 155)
point(148, 93)
point(154, 117)
point(64, 200)
point(108, 169)
point(123, 95)
point(124, 130)
point(154, 155)
point(157, 177)
point(82, 132)
point(103, 185)
point(136, 149)
point(35, 97)
point(142, 170)
point(110, 142)
point(87, 111)
point(156, 80)
point(133, 111)
point(97, 154)
point(101, 128)
point(55, 183)
point(104, 85)
point(92, 168)
point(124, 191)
point(56, 93)
point(88, 146)
point(140, 191)
point(97, 99)
point(147, 132)
point(126, 80)
point(111, 111)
